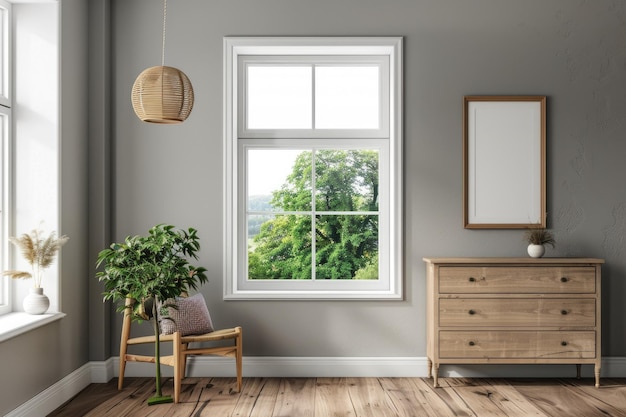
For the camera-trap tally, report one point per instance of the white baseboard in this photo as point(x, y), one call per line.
point(102, 372)
point(260, 366)
point(53, 397)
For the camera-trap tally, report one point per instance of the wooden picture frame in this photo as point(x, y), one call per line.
point(504, 158)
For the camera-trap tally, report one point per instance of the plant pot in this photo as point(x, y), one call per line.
point(536, 251)
point(36, 302)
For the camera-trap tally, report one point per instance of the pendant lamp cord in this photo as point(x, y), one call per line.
point(164, 17)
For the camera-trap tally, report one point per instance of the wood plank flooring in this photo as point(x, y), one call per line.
point(355, 397)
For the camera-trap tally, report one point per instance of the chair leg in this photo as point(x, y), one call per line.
point(124, 342)
point(177, 366)
point(120, 379)
point(239, 359)
point(183, 360)
point(123, 350)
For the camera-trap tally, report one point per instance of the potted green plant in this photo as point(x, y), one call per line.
point(537, 239)
point(151, 269)
point(39, 251)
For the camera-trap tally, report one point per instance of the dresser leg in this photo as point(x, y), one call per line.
point(430, 368)
point(597, 374)
point(578, 366)
point(436, 375)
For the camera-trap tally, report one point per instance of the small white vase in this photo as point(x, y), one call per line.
point(536, 251)
point(36, 302)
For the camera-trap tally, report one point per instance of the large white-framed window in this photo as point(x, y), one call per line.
point(29, 110)
point(313, 168)
point(5, 149)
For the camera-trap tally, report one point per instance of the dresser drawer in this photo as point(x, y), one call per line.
point(517, 345)
point(518, 279)
point(494, 312)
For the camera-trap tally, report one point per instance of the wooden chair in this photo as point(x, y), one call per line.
point(181, 349)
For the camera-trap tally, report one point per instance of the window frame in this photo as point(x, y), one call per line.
point(5, 210)
point(6, 70)
point(241, 51)
point(6, 48)
point(33, 148)
point(382, 61)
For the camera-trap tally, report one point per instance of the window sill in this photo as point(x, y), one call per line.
point(14, 324)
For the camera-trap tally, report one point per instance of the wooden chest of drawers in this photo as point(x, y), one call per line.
point(513, 311)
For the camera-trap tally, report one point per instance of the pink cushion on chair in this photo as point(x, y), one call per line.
point(191, 317)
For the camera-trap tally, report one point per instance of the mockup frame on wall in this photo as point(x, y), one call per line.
point(504, 157)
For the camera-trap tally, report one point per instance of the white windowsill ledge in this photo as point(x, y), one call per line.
point(14, 324)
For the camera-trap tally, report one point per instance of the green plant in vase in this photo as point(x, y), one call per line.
point(537, 239)
point(151, 269)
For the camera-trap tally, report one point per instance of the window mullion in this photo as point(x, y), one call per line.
point(313, 214)
point(313, 121)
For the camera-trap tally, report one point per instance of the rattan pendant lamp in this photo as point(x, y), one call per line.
point(162, 94)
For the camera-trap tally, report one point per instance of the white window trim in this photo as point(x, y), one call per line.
point(5, 175)
point(234, 48)
point(21, 214)
point(382, 61)
point(5, 50)
point(15, 324)
point(5, 155)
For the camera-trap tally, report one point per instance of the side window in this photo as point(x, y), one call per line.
point(5, 124)
point(313, 168)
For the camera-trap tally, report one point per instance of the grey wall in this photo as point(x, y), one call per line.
point(39, 358)
point(571, 51)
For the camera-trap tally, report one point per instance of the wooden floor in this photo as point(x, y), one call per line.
point(355, 397)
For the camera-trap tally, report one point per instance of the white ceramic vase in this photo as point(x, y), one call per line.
point(536, 251)
point(36, 302)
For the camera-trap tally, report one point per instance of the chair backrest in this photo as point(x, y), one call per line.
point(128, 316)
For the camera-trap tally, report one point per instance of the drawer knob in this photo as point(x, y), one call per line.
point(563, 343)
point(471, 343)
point(472, 279)
point(564, 279)
point(564, 312)
point(472, 312)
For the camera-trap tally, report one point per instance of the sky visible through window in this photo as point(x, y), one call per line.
point(267, 171)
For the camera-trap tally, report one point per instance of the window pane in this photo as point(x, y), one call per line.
point(255, 222)
point(346, 247)
point(347, 97)
point(3, 262)
point(279, 180)
point(346, 180)
point(281, 249)
point(279, 97)
point(3, 51)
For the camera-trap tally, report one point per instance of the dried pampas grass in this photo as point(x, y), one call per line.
point(38, 251)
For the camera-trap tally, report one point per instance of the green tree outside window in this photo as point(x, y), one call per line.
point(344, 220)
